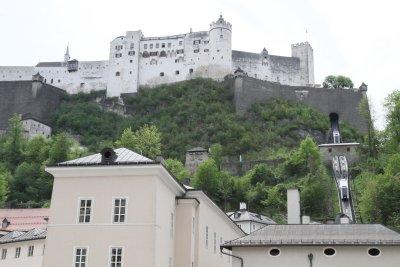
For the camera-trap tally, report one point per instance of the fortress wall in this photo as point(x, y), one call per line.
point(285, 70)
point(27, 97)
point(344, 102)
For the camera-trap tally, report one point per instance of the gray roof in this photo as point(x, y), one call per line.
point(51, 64)
point(124, 156)
point(244, 215)
point(18, 236)
point(319, 234)
point(245, 55)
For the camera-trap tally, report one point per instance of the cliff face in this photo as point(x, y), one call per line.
point(344, 102)
point(28, 98)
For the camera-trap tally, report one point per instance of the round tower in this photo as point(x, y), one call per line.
point(221, 47)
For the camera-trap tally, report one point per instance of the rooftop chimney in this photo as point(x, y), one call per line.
point(108, 156)
point(242, 206)
point(293, 206)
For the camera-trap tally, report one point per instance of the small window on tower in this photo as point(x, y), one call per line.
point(180, 42)
point(145, 46)
point(151, 46)
point(177, 72)
point(221, 36)
point(163, 45)
point(117, 73)
point(190, 71)
point(161, 74)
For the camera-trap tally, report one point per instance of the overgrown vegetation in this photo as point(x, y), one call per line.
point(171, 119)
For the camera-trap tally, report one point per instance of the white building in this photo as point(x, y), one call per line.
point(136, 61)
point(249, 221)
point(119, 208)
point(33, 127)
point(322, 245)
point(23, 248)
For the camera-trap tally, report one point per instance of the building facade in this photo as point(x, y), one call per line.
point(138, 61)
point(24, 248)
point(249, 221)
point(122, 209)
point(305, 245)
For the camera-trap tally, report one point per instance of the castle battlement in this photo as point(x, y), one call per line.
point(135, 61)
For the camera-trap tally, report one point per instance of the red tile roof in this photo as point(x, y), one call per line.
point(24, 219)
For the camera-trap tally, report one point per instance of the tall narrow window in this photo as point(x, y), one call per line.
point(80, 257)
point(171, 230)
point(119, 210)
point(3, 253)
point(206, 236)
point(17, 252)
point(85, 210)
point(30, 251)
point(116, 257)
point(215, 242)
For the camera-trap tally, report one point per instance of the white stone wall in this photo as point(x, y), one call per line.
point(137, 61)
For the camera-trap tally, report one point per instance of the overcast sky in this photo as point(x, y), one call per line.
point(356, 38)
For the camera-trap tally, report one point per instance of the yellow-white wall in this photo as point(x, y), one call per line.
point(346, 256)
point(153, 195)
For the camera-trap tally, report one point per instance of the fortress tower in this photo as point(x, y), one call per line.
point(220, 36)
point(305, 52)
point(124, 64)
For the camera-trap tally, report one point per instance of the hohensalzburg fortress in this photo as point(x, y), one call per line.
point(137, 61)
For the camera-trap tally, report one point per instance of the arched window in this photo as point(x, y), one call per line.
point(163, 54)
point(117, 73)
point(145, 54)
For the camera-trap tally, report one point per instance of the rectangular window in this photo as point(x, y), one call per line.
point(85, 210)
point(119, 215)
point(196, 42)
point(196, 51)
point(206, 42)
point(180, 51)
point(17, 252)
point(163, 45)
point(30, 251)
point(145, 46)
point(206, 236)
point(157, 45)
point(131, 53)
point(215, 242)
point(118, 55)
point(169, 44)
point(154, 54)
point(151, 46)
point(171, 230)
point(206, 50)
point(132, 46)
point(180, 42)
point(3, 253)
point(116, 257)
point(80, 257)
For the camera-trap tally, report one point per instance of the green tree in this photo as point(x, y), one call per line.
point(177, 169)
point(5, 176)
point(12, 146)
point(339, 81)
point(216, 153)
point(59, 148)
point(392, 105)
point(146, 140)
point(306, 159)
point(206, 178)
point(225, 189)
point(262, 173)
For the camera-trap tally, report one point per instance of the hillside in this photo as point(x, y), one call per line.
point(197, 113)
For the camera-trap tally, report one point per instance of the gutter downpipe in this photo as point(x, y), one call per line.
point(231, 255)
